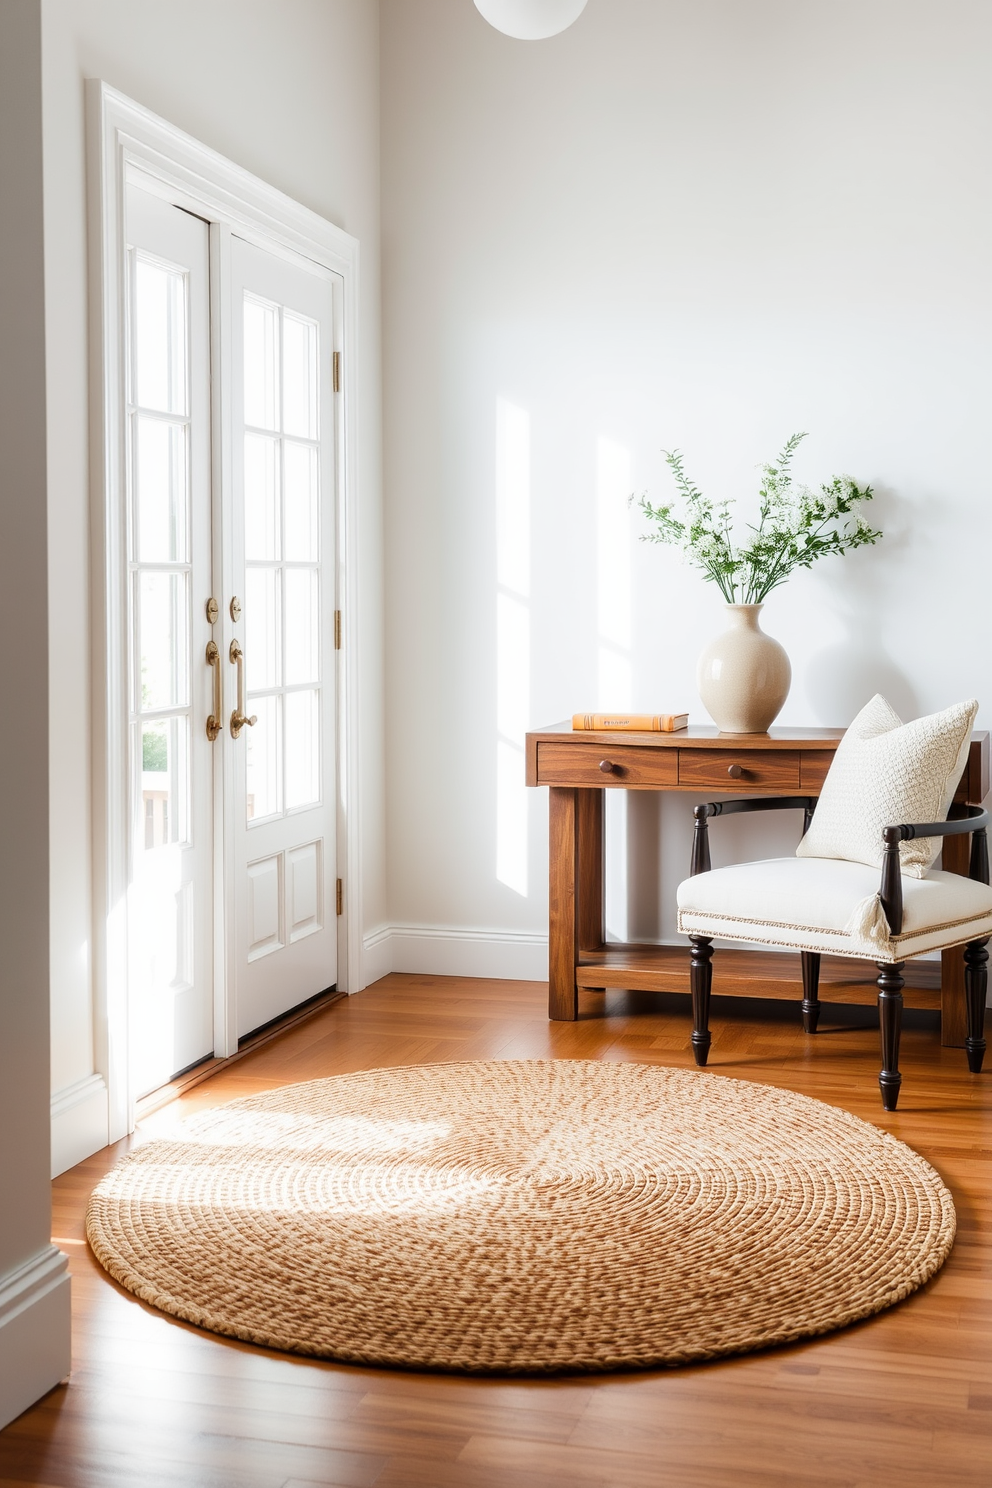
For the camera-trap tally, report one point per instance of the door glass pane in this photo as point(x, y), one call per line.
point(302, 749)
point(163, 626)
point(301, 501)
point(261, 497)
point(302, 631)
point(161, 500)
point(261, 327)
point(159, 337)
point(164, 746)
point(282, 550)
point(262, 649)
point(263, 758)
point(299, 388)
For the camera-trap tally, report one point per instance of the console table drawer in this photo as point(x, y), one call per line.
point(732, 769)
point(605, 764)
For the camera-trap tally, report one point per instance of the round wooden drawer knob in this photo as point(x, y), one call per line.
point(607, 767)
point(735, 772)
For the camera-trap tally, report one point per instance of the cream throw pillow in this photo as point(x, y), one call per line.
point(886, 772)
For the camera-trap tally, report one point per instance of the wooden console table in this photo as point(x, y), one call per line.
point(579, 767)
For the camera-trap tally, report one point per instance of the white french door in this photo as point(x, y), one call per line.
point(170, 796)
point(230, 639)
point(284, 800)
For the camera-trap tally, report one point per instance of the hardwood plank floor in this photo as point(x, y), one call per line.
point(904, 1399)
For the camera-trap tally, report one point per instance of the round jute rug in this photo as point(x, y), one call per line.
point(522, 1217)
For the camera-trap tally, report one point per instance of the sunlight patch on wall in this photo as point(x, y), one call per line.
point(614, 669)
point(512, 641)
point(613, 575)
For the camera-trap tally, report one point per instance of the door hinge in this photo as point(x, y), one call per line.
point(339, 896)
point(337, 630)
point(337, 371)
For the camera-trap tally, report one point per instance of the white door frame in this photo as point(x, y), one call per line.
point(126, 141)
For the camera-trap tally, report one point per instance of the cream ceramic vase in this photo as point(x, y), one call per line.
point(744, 675)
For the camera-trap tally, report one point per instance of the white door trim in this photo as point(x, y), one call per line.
point(125, 140)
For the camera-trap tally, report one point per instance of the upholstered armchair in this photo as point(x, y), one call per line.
point(870, 893)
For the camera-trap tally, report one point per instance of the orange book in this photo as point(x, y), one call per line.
point(645, 723)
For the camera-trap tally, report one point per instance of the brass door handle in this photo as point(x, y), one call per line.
point(214, 725)
point(238, 717)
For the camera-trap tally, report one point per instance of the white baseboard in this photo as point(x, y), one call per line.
point(442, 950)
point(377, 955)
point(34, 1331)
point(79, 1122)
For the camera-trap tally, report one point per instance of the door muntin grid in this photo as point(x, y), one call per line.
point(281, 505)
point(159, 551)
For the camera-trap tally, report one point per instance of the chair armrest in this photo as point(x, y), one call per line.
point(701, 837)
point(975, 820)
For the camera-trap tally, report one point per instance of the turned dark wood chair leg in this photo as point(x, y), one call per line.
point(890, 985)
point(811, 989)
point(700, 981)
point(976, 981)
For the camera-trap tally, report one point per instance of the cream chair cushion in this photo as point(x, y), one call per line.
point(886, 772)
point(812, 904)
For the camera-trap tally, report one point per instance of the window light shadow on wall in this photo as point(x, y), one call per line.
point(614, 661)
point(512, 640)
point(613, 574)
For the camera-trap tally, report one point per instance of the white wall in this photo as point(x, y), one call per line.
point(698, 226)
point(34, 1287)
point(290, 92)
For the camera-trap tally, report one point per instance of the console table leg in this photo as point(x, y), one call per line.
point(955, 852)
point(563, 938)
point(591, 928)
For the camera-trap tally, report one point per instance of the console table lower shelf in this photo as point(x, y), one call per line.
point(740, 973)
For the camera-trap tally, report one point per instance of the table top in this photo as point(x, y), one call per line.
point(974, 787)
point(697, 734)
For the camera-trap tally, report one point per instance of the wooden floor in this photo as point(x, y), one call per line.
point(904, 1399)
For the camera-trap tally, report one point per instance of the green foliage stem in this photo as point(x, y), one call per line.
point(795, 527)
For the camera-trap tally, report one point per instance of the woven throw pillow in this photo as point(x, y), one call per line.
point(886, 772)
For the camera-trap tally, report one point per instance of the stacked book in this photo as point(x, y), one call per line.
point(644, 723)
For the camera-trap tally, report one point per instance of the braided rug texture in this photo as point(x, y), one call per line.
point(522, 1217)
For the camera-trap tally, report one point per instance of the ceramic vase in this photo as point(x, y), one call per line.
point(744, 675)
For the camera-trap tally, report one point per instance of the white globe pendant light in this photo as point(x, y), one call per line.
point(530, 20)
